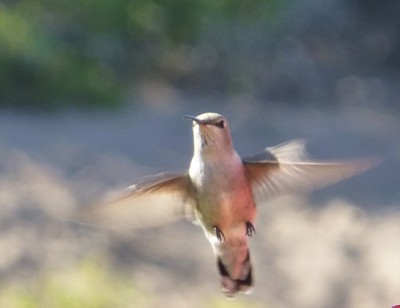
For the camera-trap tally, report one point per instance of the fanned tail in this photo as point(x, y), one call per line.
point(243, 282)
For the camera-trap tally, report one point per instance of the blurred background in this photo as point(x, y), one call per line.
point(92, 95)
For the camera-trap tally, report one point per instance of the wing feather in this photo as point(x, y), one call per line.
point(290, 170)
point(154, 201)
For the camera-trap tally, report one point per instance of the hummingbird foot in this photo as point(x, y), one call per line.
point(219, 234)
point(250, 228)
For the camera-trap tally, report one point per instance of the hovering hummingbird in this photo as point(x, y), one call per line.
point(220, 192)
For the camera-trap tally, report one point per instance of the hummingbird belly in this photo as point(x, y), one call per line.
point(223, 196)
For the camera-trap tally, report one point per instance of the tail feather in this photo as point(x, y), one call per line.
point(231, 286)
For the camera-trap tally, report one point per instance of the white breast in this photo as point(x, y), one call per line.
point(222, 193)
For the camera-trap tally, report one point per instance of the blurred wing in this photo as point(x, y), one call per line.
point(155, 201)
point(287, 169)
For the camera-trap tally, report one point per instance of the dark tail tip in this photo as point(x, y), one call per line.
point(231, 286)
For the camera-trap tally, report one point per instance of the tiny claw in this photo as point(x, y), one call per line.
point(250, 228)
point(219, 234)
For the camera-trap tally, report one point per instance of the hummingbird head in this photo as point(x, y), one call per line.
point(211, 133)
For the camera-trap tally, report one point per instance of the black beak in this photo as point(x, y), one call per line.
point(193, 118)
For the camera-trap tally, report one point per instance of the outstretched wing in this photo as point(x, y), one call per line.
point(154, 201)
point(287, 169)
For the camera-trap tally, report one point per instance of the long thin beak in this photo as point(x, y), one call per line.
point(198, 121)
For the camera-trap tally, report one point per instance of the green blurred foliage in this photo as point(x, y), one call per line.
point(87, 53)
point(87, 285)
point(221, 302)
point(90, 284)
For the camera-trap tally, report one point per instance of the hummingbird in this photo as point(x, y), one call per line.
point(221, 192)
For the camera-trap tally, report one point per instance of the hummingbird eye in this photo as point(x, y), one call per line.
point(220, 124)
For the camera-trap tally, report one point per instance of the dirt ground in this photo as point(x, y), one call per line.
point(338, 247)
